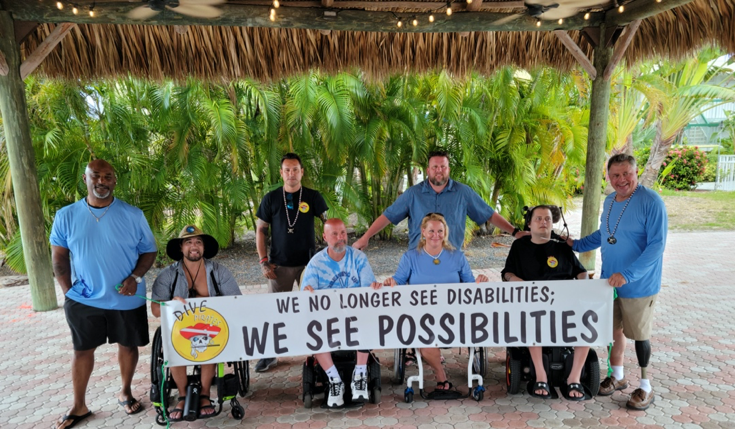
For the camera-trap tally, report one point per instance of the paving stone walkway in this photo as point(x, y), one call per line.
point(693, 369)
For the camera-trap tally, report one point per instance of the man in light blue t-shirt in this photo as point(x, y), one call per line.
point(101, 249)
point(438, 194)
point(336, 267)
point(632, 238)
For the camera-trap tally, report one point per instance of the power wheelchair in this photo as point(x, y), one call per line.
point(315, 380)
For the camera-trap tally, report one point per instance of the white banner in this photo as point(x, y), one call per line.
point(233, 328)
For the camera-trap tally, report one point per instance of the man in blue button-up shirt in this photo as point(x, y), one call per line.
point(438, 194)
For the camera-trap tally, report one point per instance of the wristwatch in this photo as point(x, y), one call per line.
point(137, 279)
point(516, 230)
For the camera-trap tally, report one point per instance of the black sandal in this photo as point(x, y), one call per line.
point(177, 410)
point(542, 386)
point(446, 384)
point(574, 387)
point(210, 406)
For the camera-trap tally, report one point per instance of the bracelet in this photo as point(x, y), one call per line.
point(265, 259)
point(516, 230)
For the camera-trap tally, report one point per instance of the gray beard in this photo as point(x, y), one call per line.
point(101, 196)
point(439, 183)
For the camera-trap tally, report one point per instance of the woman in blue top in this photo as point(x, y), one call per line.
point(434, 261)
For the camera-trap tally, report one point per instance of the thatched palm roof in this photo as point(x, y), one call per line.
point(215, 53)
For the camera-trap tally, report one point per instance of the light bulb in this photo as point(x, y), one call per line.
point(658, 1)
point(538, 23)
point(91, 13)
point(272, 17)
point(587, 16)
point(415, 22)
point(469, 1)
point(621, 9)
point(399, 23)
point(431, 18)
point(59, 5)
point(561, 21)
point(449, 11)
point(74, 10)
point(276, 4)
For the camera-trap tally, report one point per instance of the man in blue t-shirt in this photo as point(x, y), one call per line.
point(337, 267)
point(101, 249)
point(632, 237)
point(438, 194)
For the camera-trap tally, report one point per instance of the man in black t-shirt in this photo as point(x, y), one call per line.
point(289, 212)
point(539, 257)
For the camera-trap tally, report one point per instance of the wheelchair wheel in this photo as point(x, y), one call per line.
point(399, 366)
point(479, 366)
point(160, 391)
point(513, 373)
point(238, 412)
point(374, 384)
point(308, 378)
point(591, 375)
point(242, 369)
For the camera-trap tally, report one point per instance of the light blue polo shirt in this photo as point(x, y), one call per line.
point(103, 253)
point(456, 201)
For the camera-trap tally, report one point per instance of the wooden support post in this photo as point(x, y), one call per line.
point(474, 6)
point(621, 46)
point(576, 52)
point(23, 171)
point(596, 142)
point(3, 65)
point(45, 48)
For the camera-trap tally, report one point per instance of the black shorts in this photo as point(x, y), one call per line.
point(91, 326)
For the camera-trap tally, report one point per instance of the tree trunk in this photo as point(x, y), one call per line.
point(22, 160)
point(597, 138)
point(659, 149)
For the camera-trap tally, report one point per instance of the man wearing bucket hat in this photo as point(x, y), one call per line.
point(193, 275)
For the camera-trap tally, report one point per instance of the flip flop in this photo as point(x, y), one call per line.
point(177, 410)
point(574, 387)
point(210, 406)
point(532, 388)
point(130, 402)
point(74, 419)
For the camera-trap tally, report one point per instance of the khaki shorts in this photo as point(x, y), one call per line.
point(285, 278)
point(634, 316)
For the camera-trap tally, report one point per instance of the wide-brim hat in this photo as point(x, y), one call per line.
point(173, 248)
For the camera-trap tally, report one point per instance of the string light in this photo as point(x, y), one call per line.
point(414, 22)
point(561, 21)
point(431, 18)
point(538, 23)
point(74, 10)
point(399, 23)
point(621, 9)
point(658, 1)
point(586, 16)
point(272, 16)
point(449, 9)
point(276, 4)
point(59, 5)
point(469, 1)
point(91, 13)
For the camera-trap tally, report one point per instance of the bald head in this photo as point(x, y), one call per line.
point(335, 234)
point(99, 176)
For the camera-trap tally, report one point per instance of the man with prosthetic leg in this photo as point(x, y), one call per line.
point(631, 238)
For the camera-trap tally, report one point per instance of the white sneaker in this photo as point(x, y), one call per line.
point(336, 393)
point(359, 387)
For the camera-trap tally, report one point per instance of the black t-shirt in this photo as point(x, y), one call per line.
point(553, 260)
point(291, 249)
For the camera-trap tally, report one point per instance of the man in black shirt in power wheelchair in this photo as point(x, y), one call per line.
point(541, 257)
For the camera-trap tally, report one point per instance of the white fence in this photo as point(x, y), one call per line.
point(725, 173)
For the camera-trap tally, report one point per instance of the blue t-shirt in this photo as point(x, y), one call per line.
point(323, 272)
point(641, 239)
point(418, 268)
point(103, 253)
point(455, 202)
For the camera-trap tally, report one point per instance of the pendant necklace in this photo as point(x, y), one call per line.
point(298, 209)
point(436, 258)
point(193, 289)
point(611, 239)
point(103, 213)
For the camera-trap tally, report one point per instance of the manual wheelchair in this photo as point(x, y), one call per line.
point(228, 386)
point(315, 380)
point(476, 371)
point(557, 363)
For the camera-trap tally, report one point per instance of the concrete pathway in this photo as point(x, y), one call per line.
point(693, 369)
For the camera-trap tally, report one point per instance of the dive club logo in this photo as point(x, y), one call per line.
point(552, 262)
point(199, 333)
point(303, 207)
